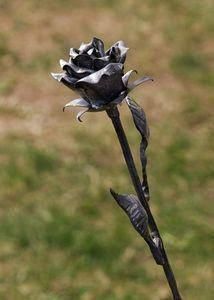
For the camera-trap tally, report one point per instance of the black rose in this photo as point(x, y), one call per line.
point(97, 75)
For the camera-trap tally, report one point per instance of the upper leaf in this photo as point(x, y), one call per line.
point(141, 124)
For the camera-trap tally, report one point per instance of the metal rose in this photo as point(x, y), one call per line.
point(97, 76)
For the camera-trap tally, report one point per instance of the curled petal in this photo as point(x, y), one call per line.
point(73, 52)
point(73, 70)
point(62, 63)
point(120, 43)
point(65, 79)
point(85, 47)
point(77, 103)
point(92, 51)
point(57, 76)
point(126, 77)
point(95, 47)
point(137, 82)
point(114, 54)
point(99, 45)
point(69, 81)
point(80, 114)
point(123, 51)
point(117, 44)
point(117, 52)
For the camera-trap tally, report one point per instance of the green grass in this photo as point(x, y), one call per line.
point(193, 67)
point(62, 236)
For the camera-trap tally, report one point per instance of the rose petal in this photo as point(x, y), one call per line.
point(57, 76)
point(114, 55)
point(83, 61)
point(73, 52)
point(69, 81)
point(65, 79)
point(85, 47)
point(117, 52)
point(73, 70)
point(109, 50)
point(96, 47)
point(99, 45)
point(123, 51)
point(109, 70)
point(92, 51)
point(103, 85)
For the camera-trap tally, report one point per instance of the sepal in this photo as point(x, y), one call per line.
point(77, 103)
point(139, 81)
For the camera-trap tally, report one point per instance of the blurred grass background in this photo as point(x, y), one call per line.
point(61, 234)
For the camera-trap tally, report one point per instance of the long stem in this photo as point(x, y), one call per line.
point(113, 113)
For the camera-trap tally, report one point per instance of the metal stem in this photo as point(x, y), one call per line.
point(114, 115)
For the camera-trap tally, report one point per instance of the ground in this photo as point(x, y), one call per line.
point(62, 235)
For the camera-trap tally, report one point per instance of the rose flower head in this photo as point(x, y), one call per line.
point(97, 76)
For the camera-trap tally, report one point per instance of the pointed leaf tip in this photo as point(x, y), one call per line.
point(139, 81)
point(140, 121)
point(135, 211)
point(80, 114)
point(113, 192)
point(77, 103)
point(57, 76)
point(62, 62)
